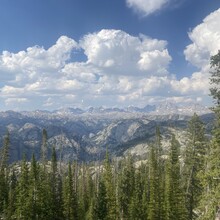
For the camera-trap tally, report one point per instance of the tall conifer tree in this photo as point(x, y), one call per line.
point(69, 197)
point(4, 173)
point(211, 197)
point(126, 185)
point(194, 164)
point(44, 150)
point(157, 178)
point(56, 189)
point(33, 198)
point(100, 207)
point(22, 189)
point(110, 190)
point(175, 195)
point(154, 187)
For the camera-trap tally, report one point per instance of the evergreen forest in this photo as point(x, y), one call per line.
point(183, 184)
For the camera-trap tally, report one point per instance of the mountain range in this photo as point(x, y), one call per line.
point(84, 135)
point(158, 109)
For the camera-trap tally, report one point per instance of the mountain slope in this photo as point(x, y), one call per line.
point(85, 137)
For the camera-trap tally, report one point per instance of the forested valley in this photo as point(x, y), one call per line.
point(181, 184)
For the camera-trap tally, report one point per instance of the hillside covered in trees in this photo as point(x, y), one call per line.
point(178, 184)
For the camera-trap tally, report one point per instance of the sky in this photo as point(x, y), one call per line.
point(114, 53)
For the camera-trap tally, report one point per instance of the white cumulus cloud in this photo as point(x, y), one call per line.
point(146, 7)
point(205, 43)
point(154, 61)
point(36, 62)
point(119, 70)
point(197, 84)
point(205, 40)
point(118, 67)
point(117, 52)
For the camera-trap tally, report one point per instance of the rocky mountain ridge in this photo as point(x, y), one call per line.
point(157, 109)
point(84, 135)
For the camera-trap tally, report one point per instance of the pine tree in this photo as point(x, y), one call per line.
point(100, 206)
point(90, 188)
point(136, 205)
point(44, 148)
point(215, 80)
point(69, 197)
point(33, 191)
point(158, 145)
point(161, 174)
point(157, 179)
point(145, 171)
point(154, 187)
point(56, 189)
point(175, 203)
point(82, 192)
point(10, 210)
point(92, 214)
point(194, 164)
point(22, 191)
point(168, 190)
point(4, 156)
point(126, 186)
point(4, 173)
point(211, 183)
point(86, 191)
point(110, 190)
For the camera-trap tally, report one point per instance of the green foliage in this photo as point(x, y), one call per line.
point(69, 197)
point(4, 156)
point(22, 190)
point(194, 164)
point(136, 209)
point(126, 186)
point(4, 173)
point(154, 187)
point(156, 180)
point(215, 79)
point(44, 149)
point(55, 184)
point(182, 185)
point(175, 196)
point(108, 179)
point(211, 179)
point(101, 210)
point(10, 209)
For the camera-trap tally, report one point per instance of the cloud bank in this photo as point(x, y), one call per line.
point(118, 70)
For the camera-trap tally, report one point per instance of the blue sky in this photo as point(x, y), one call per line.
point(66, 53)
